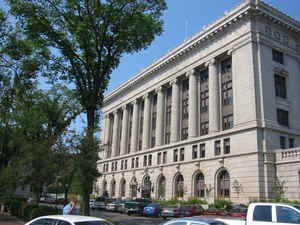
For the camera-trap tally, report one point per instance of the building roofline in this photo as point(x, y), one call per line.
point(207, 32)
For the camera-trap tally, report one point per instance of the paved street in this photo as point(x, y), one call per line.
point(123, 219)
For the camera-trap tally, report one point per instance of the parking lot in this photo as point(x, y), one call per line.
point(123, 219)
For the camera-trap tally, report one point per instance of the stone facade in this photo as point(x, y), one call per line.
point(207, 119)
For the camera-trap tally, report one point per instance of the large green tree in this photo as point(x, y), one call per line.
point(88, 38)
point(40, 120)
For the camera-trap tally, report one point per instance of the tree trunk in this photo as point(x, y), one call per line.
point(87, 184)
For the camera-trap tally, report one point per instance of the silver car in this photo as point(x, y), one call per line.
point(195, 221)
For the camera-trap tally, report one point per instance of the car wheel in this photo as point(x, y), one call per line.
point(164, 217)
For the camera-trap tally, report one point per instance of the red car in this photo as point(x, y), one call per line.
point(238, 213)
point(192, 210)
point(213, 212)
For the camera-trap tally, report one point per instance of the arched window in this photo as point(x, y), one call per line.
point(146, 188)
point(199, 185)
point(113, 188)
point(123, 187)
point(179, 186)
point(133, 188)
point(224, 184)
point(161, 187)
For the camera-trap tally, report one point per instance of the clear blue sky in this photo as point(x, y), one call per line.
point(194, 13)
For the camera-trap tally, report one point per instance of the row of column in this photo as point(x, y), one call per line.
point(214, 113)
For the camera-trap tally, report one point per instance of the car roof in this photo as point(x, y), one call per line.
point(73, 218)
point(195, 218)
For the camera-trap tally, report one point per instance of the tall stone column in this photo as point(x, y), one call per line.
point(124, 133)
point(193, 108)
point(160, 117)
point(115, 134)
point(146, 122)
point(175, 111)
point(135, 126)
point(105, 130)
point(214, 99)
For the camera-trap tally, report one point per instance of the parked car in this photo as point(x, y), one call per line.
point(121, 206)
point(100, 203)
point(152, 209)
point(133, 208)
point(113, 206)
point(192, 210)
point(171, 211)
point(213, 212)
point(195, 221)
point(69, 219)
point(237, 213)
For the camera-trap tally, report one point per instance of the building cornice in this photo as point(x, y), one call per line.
point(207, 33)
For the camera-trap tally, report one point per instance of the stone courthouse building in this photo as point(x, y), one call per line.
point(217, 116)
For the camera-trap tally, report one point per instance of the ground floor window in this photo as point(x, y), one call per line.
point(199, 185)
point(223, 184)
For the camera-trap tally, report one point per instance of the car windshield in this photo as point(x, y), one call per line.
point(93, 223)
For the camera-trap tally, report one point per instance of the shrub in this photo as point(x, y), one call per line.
point(221, 203)
point(27, 210)
point(195, 201)
point(44, 211)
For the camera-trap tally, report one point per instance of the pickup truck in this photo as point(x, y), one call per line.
point(269, 214)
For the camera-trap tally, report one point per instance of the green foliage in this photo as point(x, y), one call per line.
point(278, 189)
point(44, 211)
point(27, 211)
point(196, 201)
point(221, 203)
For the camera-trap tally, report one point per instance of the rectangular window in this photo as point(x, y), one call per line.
point(132, 163)
point(204, 101)
point(226, 66)
point(194, 152)
point(184, 109)
point(116, 166)
point(283, 117)
point(153, 120)
point(277, 56)
point(149, 160)
point(262, 213)
point(182, 154)
point(227, 93)
point(158, 158)
point(291, 143)
point(164, 157)
point(202, 150)
point(168, 115)
point(280, 86)
point(217, 147)
point(103, 167)
point(282, 142)
point(145, 160)
point(175, 155)
point(112, 166)
point(125, 164)
point(226, 146)
point(204, 128)
point(137, 162)
point(227, 122)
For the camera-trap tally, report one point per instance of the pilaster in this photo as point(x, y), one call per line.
point(175, 111)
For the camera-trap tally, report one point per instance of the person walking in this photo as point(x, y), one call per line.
point(70, 209)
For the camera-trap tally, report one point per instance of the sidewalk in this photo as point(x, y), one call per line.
point(10, 220)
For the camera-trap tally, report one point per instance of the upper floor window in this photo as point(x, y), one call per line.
point(227, 122)
point(149, 160)
point(137, 162)
point(226, 66)
point(145, 160)
point(283, 117)
point(291, 143)
point(202, 150)
point(282, 142)
point(204, 101)
point(227, 93)
point(194, 152)
point(217, 147)
point(181, 154)
point(175, 155)
point(125, 165)
point(132, 163)
point(158, 158)
point(164, 157)
point(280, 86)
point(226, 146)
point(204, 128)
point(277, 56)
